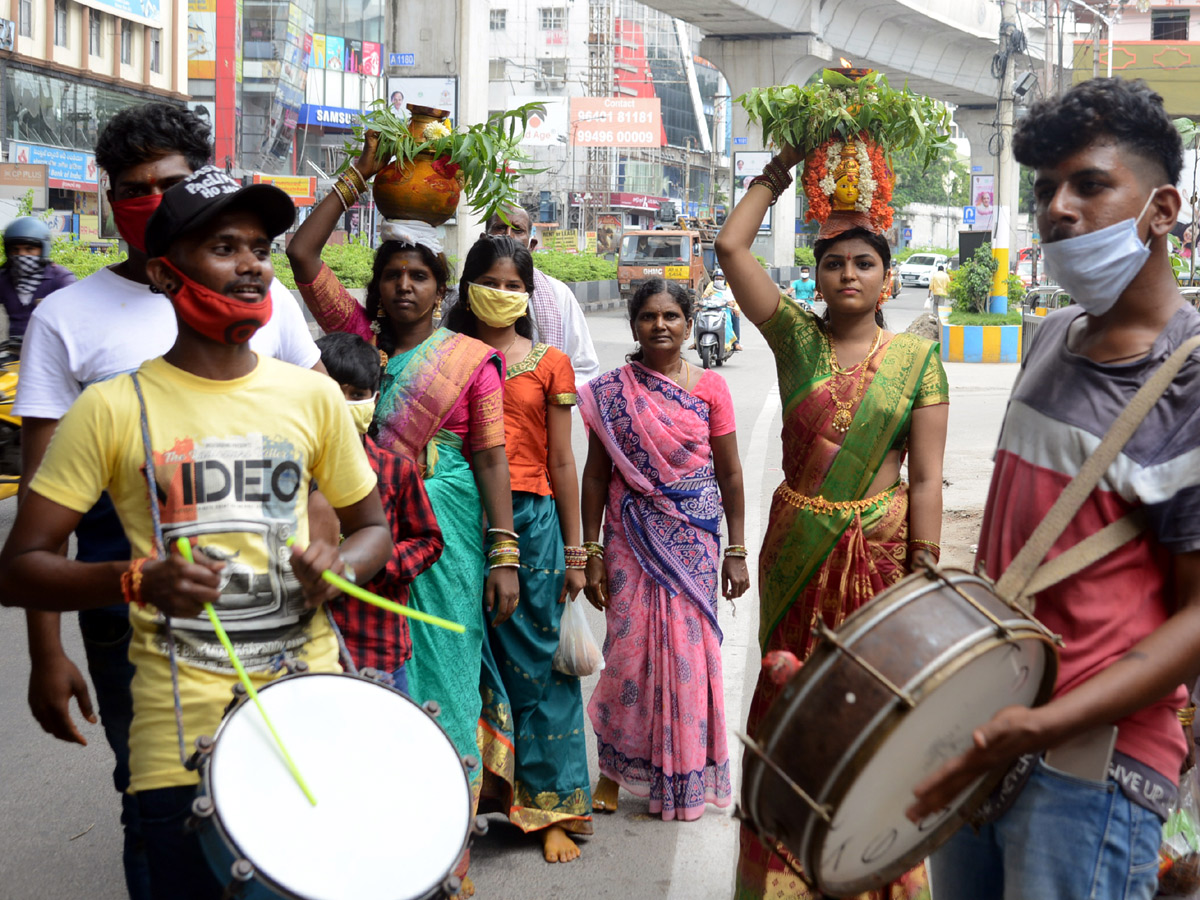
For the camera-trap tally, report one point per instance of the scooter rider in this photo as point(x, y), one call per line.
point(28, 275)
point(718, 285)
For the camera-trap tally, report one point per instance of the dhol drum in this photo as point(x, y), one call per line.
point(393, 812)
point(881, 703)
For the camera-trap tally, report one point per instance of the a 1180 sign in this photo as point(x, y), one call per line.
point(616, 122)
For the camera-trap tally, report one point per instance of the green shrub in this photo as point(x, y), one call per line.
point(1016, 290)
point(350, 262)
point(79, 259)
point(574, 266)
point(964, 317)
point(971, 284)
point(805, 257)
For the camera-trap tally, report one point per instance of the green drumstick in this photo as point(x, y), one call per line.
point(185, 550)
point(349, 587)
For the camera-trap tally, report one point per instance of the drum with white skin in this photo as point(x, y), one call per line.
point(393, 812)
point(882, 703)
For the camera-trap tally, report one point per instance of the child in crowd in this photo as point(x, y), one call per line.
point(374, 637)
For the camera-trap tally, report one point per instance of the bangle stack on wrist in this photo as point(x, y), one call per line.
point(737, 551)
point(774, 177)
point(593, 549)
point(931, 547)
point(576, 557)
point(350, 185)
point(131, 581)
point(504, 552)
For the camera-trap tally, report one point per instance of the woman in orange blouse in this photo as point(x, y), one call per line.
point(531, 733)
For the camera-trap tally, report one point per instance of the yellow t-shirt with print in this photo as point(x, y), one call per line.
point(233, 461)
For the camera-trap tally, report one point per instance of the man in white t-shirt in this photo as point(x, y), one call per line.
point(103, 326)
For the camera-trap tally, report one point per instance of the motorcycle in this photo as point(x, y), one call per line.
point(714, 329)
point(10, 425)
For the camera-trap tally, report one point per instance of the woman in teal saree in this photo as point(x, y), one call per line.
point(441, 402)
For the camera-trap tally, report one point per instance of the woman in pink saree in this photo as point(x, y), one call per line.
point(663, 451)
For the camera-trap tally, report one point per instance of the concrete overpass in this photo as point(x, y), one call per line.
point(940, 48)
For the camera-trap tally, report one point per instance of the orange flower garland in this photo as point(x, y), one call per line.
point(815, 169)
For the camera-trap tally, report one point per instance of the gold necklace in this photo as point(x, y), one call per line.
point(843, 415)
point(684, 369)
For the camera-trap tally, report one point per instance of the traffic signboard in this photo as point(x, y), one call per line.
point(968, 215)
point(402, 59)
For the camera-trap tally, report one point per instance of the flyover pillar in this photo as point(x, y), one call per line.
point(755, 63)
point(978, 124)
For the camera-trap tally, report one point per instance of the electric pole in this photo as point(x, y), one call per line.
point(1007, 187)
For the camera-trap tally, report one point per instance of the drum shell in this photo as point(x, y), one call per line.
point(833, 715)
point(221, 849)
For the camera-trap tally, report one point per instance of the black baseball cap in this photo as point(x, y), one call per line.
point(206, 193)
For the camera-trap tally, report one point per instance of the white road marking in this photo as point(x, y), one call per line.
point(709, 846)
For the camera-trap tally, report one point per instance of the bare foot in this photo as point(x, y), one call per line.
point(467, 890)
point(604, 797)
point(557, 846)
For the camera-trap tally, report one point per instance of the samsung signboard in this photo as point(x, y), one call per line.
point(334, 117)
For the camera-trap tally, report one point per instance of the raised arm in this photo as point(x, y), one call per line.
point(304, 251)
point(757, 294)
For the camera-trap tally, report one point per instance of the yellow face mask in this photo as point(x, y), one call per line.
point(495, 307)
point(362, 412)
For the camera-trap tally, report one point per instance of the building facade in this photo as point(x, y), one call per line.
point(67, 68)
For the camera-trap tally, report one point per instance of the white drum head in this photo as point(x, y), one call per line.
point(870, 834)
point(393, 802)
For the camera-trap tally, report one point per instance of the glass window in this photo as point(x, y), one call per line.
point(60, 22)
point(25, 13)
point(126, 41)
point(552, 18)
point(95, 21)
point(1169, 25)
point(553, 67)
point(156, 50)
point(499, 20)
point(496, 69)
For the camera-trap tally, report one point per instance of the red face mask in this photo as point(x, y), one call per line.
point(216, 316)
point(131, 216)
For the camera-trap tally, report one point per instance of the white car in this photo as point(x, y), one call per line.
point(918, 268)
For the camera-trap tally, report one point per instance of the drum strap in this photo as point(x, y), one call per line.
point(1026, 575)
point(160, 553)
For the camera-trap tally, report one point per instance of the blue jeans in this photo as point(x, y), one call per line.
point(400, 681)
point(106, 642)
point(178, 868)
point(1065, 838)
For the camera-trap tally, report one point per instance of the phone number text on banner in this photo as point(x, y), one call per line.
point(616, 122)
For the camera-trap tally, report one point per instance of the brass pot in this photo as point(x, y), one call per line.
point(428, 188)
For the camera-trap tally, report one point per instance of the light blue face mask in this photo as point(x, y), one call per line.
point(1095, 268)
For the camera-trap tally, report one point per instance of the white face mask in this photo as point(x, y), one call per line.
point(1095, 268)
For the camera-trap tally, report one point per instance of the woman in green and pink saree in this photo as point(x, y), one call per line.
point(843, 526)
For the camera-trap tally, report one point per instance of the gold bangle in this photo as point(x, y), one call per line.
point(594, 549)
point(1187, 716)
point(356, 177)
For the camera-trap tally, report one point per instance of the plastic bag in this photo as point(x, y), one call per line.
point(1179, 855)
point(578, 653)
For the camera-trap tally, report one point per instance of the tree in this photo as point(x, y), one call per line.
point(971, 285)
point(915, 184)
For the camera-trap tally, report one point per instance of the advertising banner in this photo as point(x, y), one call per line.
point(354, 57)
point(67, 170)
point(372, 59)
point(303, 191)
point(335, 53)
point(17, 179)
point(983, 198)
point(202, 39)
point(748, 164)
point(317, 61)
point(616, 122)
point(544, 129)
point(439, 93)
point(146, 12)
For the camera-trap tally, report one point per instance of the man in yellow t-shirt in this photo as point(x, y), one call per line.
point(236, 440)
point(939, 288)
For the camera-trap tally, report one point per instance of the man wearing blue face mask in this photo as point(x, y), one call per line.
point(1094, 771)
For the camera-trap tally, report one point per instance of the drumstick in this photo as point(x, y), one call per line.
point(185, 549)
point(349, 587)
